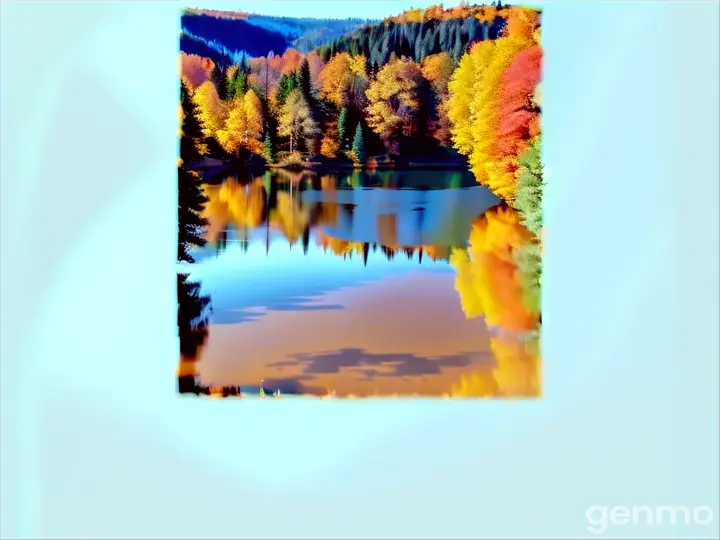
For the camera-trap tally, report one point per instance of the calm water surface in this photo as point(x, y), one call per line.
point(338, 282)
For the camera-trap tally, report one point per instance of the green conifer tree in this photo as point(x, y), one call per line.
point(358, 145)
point(343, 128)
point(269, 153)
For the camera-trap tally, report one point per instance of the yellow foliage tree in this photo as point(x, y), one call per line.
point(335, 79)
point(244, 125)
point(329, 145)
point(232, 136)
point(462, 88)
point(296, 121)
point(212, 111)
point(254, 116)
point(344, 80)
point(438, 70)
point(394, 100)
point(474, 109)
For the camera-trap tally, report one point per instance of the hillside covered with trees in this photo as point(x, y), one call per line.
point(432, 84)
point(228, 37)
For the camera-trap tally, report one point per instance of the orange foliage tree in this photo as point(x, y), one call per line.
point(394, 100)
point(438, 69)
point(522, 23)
point(265, 73)
point(289, 61)
point(195, 69)
point(316, 65)
point(343, 80)
point(519, 113)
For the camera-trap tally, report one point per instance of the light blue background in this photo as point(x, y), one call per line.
point(95, 442)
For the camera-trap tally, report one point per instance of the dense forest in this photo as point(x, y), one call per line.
point(227, 37)
point(424, 85)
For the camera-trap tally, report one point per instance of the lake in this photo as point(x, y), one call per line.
point(337, 283)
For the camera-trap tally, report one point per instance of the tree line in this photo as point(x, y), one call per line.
point(346, 105)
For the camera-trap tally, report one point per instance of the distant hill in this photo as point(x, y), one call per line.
point(228, 37)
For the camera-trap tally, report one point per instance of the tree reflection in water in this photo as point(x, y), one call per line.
point(497, 270)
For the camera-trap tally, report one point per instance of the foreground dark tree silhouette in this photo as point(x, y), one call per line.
point(191, 199)
point(193, 319)
point(192, 139)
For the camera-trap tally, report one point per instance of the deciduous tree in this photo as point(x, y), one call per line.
point(244, 125)
point(475, 109)
point(296, 121)
point(343, 80)
point(395, 101)
point(529, 187)
point(212, 111)
point(195, 68)
point(438, 70)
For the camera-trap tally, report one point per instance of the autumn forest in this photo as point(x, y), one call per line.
point(417, 102)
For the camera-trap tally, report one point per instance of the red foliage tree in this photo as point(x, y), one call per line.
point(195, 69)
point(519, 118)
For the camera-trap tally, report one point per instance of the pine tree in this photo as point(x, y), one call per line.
point(287, 84)
point(191, 138)
point(358, 145)
point(269, 153)
point(237, 85)
point(191, 224)
point(220, 81)
point(343, 128)
point(303, 80)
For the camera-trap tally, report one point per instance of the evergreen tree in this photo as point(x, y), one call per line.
point(269, 153)
point(304, 81)
point(192, 136)
point(358, 145)
point(287, 84)
point(237, 86)
point(191, 224)
point(193, 312)
point(219, 80)
point(343, 128)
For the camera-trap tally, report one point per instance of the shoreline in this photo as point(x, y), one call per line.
point(211, 167)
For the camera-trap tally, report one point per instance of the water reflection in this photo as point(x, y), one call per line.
point(348, 285)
